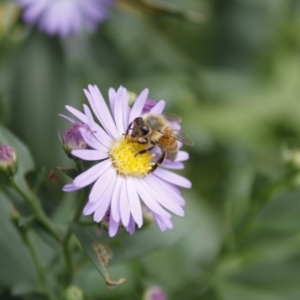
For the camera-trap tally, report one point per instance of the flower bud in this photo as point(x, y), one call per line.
point(154, 293)
point(73, 292)
point(8, 162)
point(73, 139)
point(131, 97)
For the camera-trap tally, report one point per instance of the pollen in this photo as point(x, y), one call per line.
point(127, 159)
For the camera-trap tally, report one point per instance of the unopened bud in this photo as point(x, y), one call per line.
point(131, 97)
point(73, 292)
point(8, 162)
point(73, 139)
point(154, 293)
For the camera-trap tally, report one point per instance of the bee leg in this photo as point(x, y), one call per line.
point(128, 128)
point(146, 150)
point(142, 142)
point(158, 162)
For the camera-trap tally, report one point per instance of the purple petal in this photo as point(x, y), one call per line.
point(134, 202)
point(78, 114)
point(125, 108)
point(173, 165)
point(124, 205)
point(113, 227)
point(68, 118)
point(112, 97)
point(118, 109)
point(33, 12)
point(115, 201)
point(138, 105)
point(104, 203)
point(171, 191)
point(102, 184)
point(101, 110)
point(91, 174)
point(102, 209)
point(100, 202)
point(87, 154)
point(91, 140)
point(163, 223)
point(147, 198)
point(182, 155)
point(173, 178)
point(131, 226)
point(70, 187)
point(158, 108)
point(162, 195)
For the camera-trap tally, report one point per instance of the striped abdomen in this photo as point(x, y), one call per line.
point(169, 144)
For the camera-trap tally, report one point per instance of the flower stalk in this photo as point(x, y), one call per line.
point(38, 265)
point(38, 211)
point(66, 240)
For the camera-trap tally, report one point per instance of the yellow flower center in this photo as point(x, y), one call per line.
point(127, 159)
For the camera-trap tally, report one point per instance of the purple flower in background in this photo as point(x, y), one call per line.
point(155, 293)
point(65, 17)
point(121, 177)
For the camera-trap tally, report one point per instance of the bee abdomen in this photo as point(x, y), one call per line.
point(172, 155)
point(172, 150)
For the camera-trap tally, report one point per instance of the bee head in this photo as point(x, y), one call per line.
point(140, 129)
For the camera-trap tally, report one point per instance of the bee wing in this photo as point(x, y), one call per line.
point(183, 137)
point(171, 117)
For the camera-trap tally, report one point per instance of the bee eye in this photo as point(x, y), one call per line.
point(145, 130)
point(139, 121)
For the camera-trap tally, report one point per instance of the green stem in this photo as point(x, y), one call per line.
point(39, 213)
point(68, 235)
point(79, 165)
point(39, 267)
point(65, 243)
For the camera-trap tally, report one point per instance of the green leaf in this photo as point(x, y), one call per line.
point(262, 282)
point(25, 220)
point(15, 261)
point(39, 96)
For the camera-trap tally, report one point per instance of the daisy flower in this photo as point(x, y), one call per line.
point(65, 17)
point(121, 180)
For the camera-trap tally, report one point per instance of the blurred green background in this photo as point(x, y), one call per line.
point(233, 74)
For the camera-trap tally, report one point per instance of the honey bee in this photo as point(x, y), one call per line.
point(159, 131)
